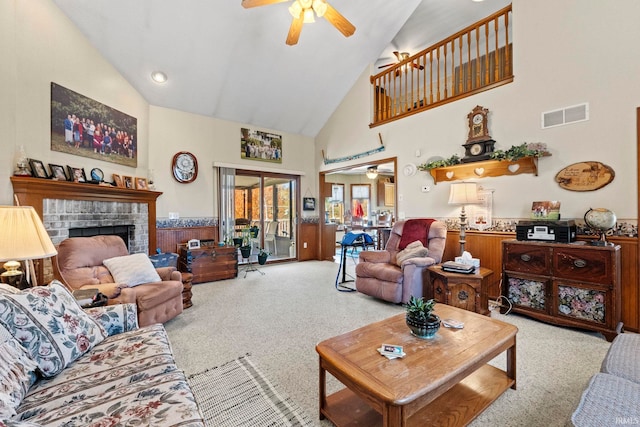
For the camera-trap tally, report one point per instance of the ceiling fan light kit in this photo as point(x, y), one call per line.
point(304, 12)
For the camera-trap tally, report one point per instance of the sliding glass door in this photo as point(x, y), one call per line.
point(266, 204)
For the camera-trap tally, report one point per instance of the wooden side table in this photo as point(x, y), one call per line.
point(187, 278)
point(467, 291)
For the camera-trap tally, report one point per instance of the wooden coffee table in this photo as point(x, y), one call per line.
point(445, 381)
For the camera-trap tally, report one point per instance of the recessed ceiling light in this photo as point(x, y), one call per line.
point(158, 77)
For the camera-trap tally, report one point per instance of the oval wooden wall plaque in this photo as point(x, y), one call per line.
point(585, 176)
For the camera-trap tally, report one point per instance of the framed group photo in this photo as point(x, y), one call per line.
point(85, 127)
point(258, 145)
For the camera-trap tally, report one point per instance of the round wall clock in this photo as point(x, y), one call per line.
point(184, 167)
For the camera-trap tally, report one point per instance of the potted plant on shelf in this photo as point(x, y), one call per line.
point(420, 317)
point(254, 231)
point(262, 256)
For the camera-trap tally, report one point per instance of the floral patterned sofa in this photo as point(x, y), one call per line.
point(62, 365)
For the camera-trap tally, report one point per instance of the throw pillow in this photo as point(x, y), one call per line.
point(133, 270)
point(8, 289)
point(17, 371)
point(413, 250)
point(51, 325)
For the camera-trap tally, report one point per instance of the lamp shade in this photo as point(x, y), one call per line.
point(372, 172)
point(463, 193)
point(22, 235)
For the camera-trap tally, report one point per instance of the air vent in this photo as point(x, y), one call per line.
point(564, 116)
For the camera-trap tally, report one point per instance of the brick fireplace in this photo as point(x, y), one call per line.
point(63, 205)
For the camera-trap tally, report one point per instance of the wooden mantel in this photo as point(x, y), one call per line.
point(32, 191)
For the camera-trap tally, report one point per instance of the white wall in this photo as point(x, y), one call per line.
point(39, 45)
point(213, 140)
point(565, 53)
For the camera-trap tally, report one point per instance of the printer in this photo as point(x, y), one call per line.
point(560, 231)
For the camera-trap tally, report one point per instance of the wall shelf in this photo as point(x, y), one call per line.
point(485, 169)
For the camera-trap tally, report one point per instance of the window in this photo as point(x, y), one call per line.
point(360, 202)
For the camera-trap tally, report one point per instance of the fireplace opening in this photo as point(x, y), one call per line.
point(124, 231)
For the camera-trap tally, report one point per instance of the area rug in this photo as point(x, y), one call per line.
point(239, 394)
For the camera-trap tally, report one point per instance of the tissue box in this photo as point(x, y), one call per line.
point(474, 261)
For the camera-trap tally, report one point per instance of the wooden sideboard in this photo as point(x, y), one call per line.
point(487, 245)
point(574, 284)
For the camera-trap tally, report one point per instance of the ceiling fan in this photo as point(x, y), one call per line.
point(402, 56)
point(303, 12)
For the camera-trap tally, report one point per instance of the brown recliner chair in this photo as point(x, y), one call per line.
point(379, 275)
point(79, 265)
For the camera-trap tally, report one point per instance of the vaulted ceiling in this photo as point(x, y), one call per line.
point(232, 63)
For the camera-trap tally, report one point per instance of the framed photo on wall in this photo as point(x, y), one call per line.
point(85, 127)
point(258, 145)
point(309, 203)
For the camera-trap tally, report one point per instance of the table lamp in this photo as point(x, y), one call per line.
point(463, 193)
point(22, 238)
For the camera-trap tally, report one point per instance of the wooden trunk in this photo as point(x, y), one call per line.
point(209, 263)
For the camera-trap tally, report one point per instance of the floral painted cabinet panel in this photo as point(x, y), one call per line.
point(565, 284)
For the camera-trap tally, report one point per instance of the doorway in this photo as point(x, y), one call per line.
point(266, 208)
point(355, 197)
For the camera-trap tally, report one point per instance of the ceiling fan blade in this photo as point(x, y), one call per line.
point(419, 67)
point(340, 22)
point(387, 65)
point(255, 3)
point(295, 30)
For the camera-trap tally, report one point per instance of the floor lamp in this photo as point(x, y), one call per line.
point(463, 193)
point(22, 238)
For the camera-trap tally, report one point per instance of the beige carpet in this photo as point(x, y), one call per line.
point(279, 318)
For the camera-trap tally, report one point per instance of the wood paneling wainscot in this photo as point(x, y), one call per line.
point(309, 235)
point(169, 238)
point(487, 246)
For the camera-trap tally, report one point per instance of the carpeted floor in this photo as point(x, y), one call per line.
point(238, 394)
point(279, 318)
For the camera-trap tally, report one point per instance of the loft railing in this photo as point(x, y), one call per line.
point(473, 60)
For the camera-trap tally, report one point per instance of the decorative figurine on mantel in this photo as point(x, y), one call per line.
point(479, 145)
point(22, 163)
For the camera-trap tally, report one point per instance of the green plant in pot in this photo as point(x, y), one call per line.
point(262, 256)
point(254, 231)
point(245, 250)
point(420, 317)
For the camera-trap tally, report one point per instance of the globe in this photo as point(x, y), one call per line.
point(600, 219)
